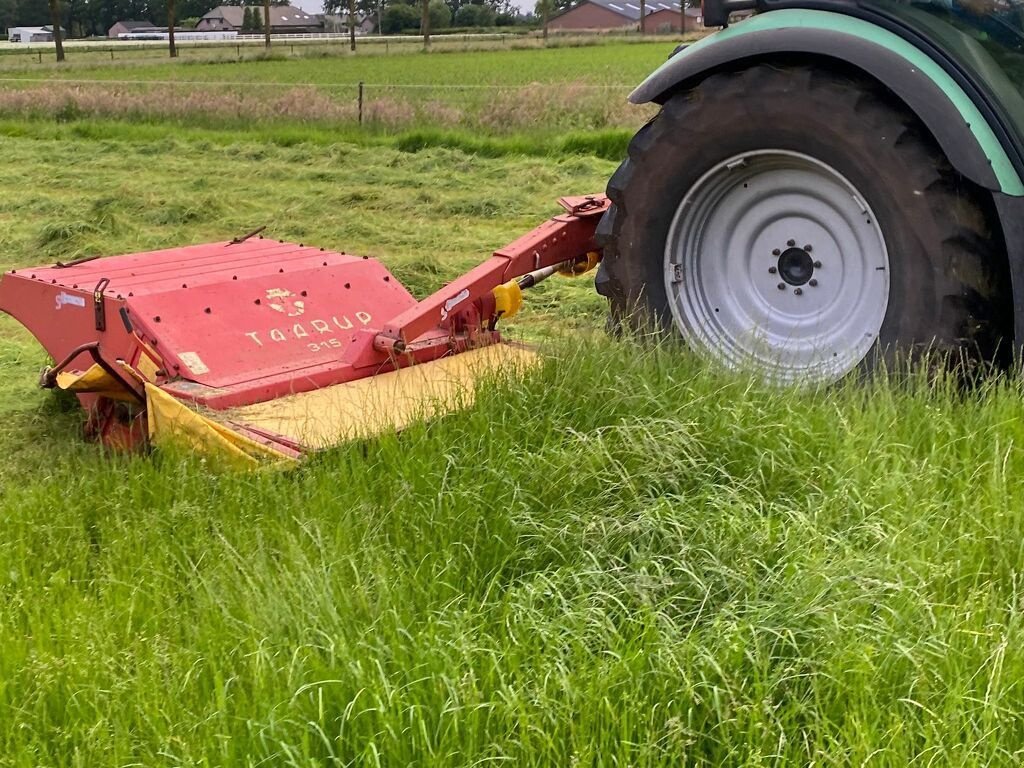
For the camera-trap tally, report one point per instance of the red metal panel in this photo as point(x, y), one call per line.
point(192, 266)
point(62, 318)
point(231, 332)
point(236, 322)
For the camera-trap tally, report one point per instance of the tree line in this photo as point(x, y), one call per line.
point(93, 18)
point(85, 18)
point(89, 18)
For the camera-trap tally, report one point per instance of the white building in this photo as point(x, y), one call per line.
point(31, 34)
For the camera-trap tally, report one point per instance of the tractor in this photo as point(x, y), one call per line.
point(829, 183)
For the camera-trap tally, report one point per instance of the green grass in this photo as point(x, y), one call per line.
point(624, 559)
point(612, 62)
point(540, 94)
point(636, 563)
point(374, 61)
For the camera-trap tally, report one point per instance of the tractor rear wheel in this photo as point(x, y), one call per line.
point(802, 224)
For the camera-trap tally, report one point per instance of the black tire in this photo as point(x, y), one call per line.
point(949, 284)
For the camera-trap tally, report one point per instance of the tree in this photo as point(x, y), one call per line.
point(73, 12)
point(266, 24)
point(554, 6)
point(170, 30)
point(440, 15)
point(363, 7)
point(352, 24)
point(643, 19)
point(247, 19)
point(8, 13)
point(58, 42)
point(398, 18)
point(425, 25)
point(475, 16)
point(31, 13)
point(184, 9)
point(506, 8)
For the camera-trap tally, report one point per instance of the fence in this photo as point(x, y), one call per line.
point(95, 51)
point(495, 109)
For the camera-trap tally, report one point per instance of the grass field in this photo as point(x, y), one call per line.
point(625, 559)
point(529, 99)
point(90, 52)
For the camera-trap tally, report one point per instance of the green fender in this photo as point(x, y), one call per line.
point(942, 105)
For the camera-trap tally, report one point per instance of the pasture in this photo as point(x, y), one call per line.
point(538, 101)
point(624, 559)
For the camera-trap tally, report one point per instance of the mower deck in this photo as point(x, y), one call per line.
point(272, 345)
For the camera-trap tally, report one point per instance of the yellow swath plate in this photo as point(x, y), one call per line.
point(358, 409)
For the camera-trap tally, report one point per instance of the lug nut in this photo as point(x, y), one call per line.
point(791, 243)
point(798, 291)
point(776, 252)
point(817, 265)
point(772, 270)
point(813, 283)
point(808, 248)
point(782, 286)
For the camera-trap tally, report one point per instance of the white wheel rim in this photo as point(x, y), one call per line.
point(746, 291)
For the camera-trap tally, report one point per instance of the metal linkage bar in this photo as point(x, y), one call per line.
point(564, 238)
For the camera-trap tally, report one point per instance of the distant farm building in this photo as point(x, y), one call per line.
point(284, 19)
point(365, 23)
point(122, 27)
point(662, 16)
point(181, 34)
point(31, 34)
point(667, 20)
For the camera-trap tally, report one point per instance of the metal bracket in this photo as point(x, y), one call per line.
point(584, 205)
point(48, 377)
point(99, 310)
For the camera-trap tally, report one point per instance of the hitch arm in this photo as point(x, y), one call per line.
point(564, 238)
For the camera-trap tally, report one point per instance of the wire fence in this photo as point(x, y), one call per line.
point(577, 88)
point(291, 84)
point(494, 109)
point(255, 45)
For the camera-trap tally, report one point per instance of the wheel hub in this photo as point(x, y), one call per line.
point(796, 266)
point(775, 263)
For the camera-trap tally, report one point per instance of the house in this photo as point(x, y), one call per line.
point(122, 27)
point(284, 19)
point(32, 34)
point(663, 15)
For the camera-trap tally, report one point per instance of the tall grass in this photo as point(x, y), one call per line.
point(623, 560)
point(536, 109)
